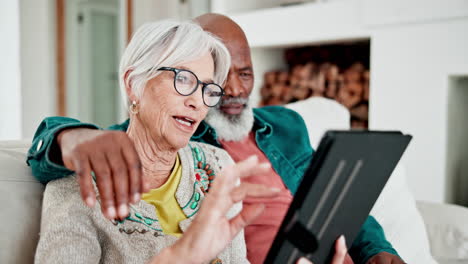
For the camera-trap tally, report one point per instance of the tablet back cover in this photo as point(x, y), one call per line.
point(345, 178)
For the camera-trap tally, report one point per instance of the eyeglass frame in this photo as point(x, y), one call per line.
point(177, 71)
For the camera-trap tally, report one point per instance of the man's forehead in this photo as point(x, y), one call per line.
point(232, 36)
point(223, 27)
point(240, 59)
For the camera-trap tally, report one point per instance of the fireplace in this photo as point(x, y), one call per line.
point(336, 71)
point(457, 141)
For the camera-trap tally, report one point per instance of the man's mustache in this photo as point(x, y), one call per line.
point(234, 100)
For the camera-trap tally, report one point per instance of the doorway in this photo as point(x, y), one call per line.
point(93, 41)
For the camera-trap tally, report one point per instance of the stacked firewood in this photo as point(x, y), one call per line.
point(336, 71)
point(348, 86)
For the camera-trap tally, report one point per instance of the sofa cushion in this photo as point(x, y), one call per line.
point(21, 197)
point(447, 229)
point(396, 211)
point(321, 114)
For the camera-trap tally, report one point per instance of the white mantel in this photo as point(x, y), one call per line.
point(416, 46)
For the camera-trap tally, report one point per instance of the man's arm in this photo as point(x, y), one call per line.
point(371, 243)
point(44, 156)
point(62, 146)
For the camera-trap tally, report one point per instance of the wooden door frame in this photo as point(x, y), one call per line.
point(60, 57)
point(61, 98)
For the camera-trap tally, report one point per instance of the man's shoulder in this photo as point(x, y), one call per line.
point(275, 111)
point(280, 116)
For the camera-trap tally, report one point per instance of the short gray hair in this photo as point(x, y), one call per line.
point(165, 44)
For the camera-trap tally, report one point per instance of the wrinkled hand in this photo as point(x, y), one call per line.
point(211, 231)
point(112, 157)
point(385, 258)
point(340, 253)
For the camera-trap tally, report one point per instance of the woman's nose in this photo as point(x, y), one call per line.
point(195, 100)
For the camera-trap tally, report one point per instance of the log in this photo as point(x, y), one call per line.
point(282, 77)
point(360, 112)
point(265, 91)
point(286, 94)
point(300, 93)
point(276, 90)
point(348, 98)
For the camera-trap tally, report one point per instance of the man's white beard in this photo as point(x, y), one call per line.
point(231, 127)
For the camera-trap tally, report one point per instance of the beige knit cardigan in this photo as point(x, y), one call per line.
point(74, 233)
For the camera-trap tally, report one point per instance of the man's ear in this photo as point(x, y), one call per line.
point(128, 85)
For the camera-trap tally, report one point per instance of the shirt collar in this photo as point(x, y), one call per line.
point(202, 129)
point(261, 126)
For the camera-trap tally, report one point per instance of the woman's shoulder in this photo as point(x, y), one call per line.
point(65, 186)
point(63, 193)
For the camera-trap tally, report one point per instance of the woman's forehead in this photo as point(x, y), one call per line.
point(203, 66)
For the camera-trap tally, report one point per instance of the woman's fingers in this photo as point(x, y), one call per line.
point(304, 261)
point(245, 168)
point(340, 251)
point(338, 258)
point(245, 217)
point(250, 167)
point(229, 176)
point(226, 191)
point(251, 190)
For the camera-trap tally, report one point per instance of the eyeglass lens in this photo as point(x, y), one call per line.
point(186, 83)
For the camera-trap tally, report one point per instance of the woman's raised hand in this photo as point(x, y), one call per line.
point(211, 231)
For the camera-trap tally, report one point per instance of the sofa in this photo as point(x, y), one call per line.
point(422, 232)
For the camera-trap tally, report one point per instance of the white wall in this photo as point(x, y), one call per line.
point(37, 46)
point(152, 10)
point(457, 141)
point(10, 87)
point(226, 6)
point(410, 71)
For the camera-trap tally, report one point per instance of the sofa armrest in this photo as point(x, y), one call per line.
point(447, 228)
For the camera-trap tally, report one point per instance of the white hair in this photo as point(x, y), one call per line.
point(164, 44)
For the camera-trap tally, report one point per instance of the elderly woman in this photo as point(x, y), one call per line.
point(170, 75)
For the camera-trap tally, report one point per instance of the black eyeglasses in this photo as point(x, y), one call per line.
point(186, 83)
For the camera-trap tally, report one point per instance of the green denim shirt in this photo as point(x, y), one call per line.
point(280, 133)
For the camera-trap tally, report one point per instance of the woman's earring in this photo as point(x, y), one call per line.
point(133, 108)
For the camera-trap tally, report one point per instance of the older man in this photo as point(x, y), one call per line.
point(276, 135)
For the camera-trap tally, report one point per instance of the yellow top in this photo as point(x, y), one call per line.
point(163, 198)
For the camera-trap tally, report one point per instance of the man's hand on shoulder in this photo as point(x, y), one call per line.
point(112, 157)
point(385, 258)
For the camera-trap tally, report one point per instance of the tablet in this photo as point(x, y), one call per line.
point(338, 190)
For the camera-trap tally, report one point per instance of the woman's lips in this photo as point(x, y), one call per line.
point(232, 109)
point(184, 123)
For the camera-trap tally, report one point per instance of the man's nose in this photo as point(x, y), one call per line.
point(234, 86)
